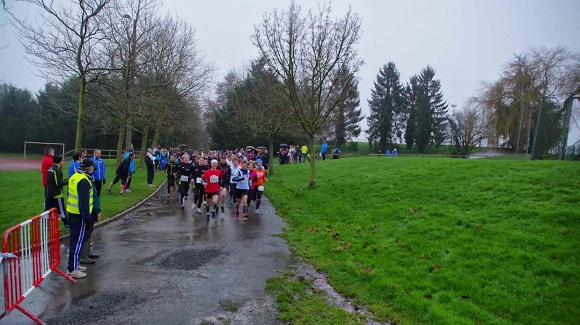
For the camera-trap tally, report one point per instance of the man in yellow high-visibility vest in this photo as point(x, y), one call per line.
point(79, 207)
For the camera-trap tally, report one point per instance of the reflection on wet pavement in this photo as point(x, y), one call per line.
point(160, 265)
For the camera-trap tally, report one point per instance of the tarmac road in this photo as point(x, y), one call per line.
point(160, 265)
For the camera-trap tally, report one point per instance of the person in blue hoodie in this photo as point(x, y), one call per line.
point(131, 169)
point(323, 150)
point(74, 165)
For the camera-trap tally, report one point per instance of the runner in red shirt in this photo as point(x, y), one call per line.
point(211, 178)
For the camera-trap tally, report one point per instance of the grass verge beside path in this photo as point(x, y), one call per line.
point(23, 196)
point(439, 241)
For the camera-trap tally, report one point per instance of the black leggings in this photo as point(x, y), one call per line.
point(256, 196)
point(199, 195)
point(183, 189)
point(170, 184)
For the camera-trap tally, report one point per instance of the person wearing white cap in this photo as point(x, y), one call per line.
point(211, 178)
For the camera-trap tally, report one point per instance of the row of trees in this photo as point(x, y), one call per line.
point(142, 71)
point(415, 113)
point(528, 109)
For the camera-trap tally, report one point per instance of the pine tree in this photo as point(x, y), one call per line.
point(410, 112)
point(386, 103)
point(426, 101)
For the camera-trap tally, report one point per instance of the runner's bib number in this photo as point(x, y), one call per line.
point(261, 188)
point(184, 178)
point(214, 179)
point(199, 180)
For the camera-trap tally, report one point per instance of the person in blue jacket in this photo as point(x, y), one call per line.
point(74, 165)
point(131, 169)
point(323, 150)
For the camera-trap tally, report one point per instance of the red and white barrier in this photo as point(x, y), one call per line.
point(31, 250)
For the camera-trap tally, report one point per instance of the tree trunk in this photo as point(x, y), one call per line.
point(141, 162)
point(271, 163)
point(156, 135)
point(312, 183)
point(79, 134)
point(122, 126)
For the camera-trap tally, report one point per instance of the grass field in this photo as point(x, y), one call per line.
point(436, 241)
point(23, 196)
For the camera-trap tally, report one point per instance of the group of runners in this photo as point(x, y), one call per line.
point(217, 178)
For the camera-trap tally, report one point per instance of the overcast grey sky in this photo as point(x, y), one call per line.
point(466, 41)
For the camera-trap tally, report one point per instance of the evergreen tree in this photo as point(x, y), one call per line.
point(427, 101)
point(410, 112)
point(386, 103)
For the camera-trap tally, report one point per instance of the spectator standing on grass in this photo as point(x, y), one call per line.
point(80, 208)
point(123, 174)
point(150, 162)
point(323, 150)
point(46, 164)
point(305, 153)
point(99, 175)
point(74, 165)
point(131, 168)
point(53, 193)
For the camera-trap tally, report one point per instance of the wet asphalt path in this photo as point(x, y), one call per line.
point(160, 265)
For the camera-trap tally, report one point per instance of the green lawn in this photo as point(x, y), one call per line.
point(23, 196)
point(438, 241)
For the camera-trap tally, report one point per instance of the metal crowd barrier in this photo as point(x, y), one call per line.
point(30, 251)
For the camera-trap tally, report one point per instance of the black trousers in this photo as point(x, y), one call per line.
point(150, 173)
point(98, 186)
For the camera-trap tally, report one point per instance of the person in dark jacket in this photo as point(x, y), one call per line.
point(86, 254)
point(123, 174)
point(79, 206)
point(53, 191)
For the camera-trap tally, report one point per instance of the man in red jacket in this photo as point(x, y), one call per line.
point(46, 164)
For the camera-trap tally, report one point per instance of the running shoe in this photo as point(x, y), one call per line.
point(109, 191)
point(245, 218)
point(128, 190)
point(76, 274)
point(257, 211)
point(207, 216)
point(193, 207)
point(198, 210)
point(213, 215)
point(237, 214)
point(81, 268)
point(223, 210)
point(182, 208)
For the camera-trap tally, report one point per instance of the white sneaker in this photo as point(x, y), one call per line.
point(76, 274)
point(198, 210)
point(257, 211)
point(193, 206)
point(81, 268)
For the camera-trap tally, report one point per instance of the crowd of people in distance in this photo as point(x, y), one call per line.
point(237, 176)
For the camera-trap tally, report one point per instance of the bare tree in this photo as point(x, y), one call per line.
point(129, 26)
point(66, 41)
point(308, 52)
point(466, 129)
point(266, 112)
